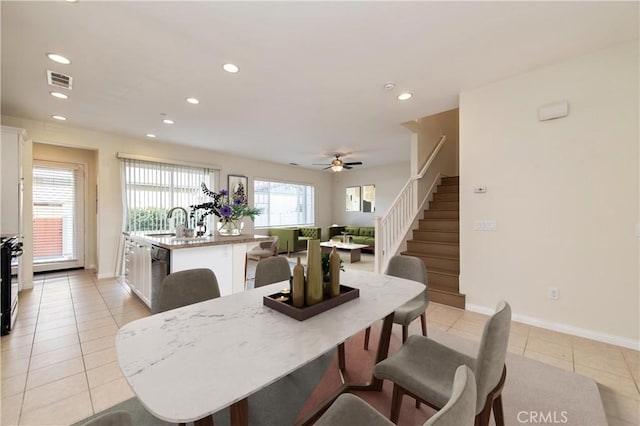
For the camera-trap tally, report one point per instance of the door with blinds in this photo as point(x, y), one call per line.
point(58, 216)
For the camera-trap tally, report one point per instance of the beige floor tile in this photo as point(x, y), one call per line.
point(44, 325)
point(550, 360)
point(55, 344)
point(12, 367)
point(23, 330)
point(431, 323)
point(473, 327)
point(89, 316)
point(620, 405)
point(99, 358)
point(55, 316)
point(12, 342)
point(63, 412)
point(53, 357)
point(52, 373)
point(98, 344)
point(55, 391)
point(518, 339)
point(445, 315)
point(550, 336)
point(55, 333)
point(474, 317)
point(110, 394)
point(464, 334)
point(85, 310)
point(515, 349)
point(611, 381)
point(96, 323)
point(22, 322)
point(547, 347)
point(21, 352)
point(10, 413)
point(609, 363)
point(103, 374)
point(96, 333)
point(122, 320)
point(13, 385)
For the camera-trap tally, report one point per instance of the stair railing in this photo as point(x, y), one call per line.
point(390, 230)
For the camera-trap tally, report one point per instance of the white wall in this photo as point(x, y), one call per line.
point(109, 215)
point(389, 180)
point(564, 193)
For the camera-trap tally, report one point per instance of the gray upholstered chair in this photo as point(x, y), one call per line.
point(460, 410)
point(272, 270)
point(116, 418)
point(423, 369)
point(187, 287)
point(265, 249)
point(411, 268)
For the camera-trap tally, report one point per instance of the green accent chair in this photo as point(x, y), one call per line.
point(295, 239)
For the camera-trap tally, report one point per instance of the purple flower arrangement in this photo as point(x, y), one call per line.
point(226, 206)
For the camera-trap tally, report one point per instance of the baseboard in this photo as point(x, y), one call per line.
point(564, 328)
point(104, 275)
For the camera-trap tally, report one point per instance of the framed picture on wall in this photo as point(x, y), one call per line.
point(238, 183)
point(353, 199)
point(369, 198)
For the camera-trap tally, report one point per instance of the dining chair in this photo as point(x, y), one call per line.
point(272, 270)
point(411, 268)
point(264, 250)
point(423, 369)
point(184, 288)
point(460, 410)
point(116, 418)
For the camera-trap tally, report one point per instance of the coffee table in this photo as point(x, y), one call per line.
point(354, 249)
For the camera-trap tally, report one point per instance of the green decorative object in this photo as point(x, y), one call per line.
point(334, 272)
point(298, 285)
point(313, 293)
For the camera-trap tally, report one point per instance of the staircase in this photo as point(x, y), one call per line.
point(437, 243)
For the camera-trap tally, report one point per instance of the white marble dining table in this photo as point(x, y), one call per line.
point(188, 363)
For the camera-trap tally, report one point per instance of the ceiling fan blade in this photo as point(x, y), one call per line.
point(353, 163)
point(323, 164)
point(325, 168)
point(347, 167)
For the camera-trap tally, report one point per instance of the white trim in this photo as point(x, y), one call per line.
point(122, 155)
point(102, 276)
point(564, 328)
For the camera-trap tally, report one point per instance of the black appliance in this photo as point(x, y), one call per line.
point(10, 249)
point(160, 268)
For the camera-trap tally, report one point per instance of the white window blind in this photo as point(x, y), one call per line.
point(283, 204)
point(55, 233)
point(151, 189)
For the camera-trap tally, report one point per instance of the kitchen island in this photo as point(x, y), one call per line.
point(150, 256)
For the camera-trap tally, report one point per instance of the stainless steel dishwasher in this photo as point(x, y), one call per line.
point(160, 268)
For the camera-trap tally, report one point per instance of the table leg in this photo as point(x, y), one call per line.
point(355, 255)
point(205, 421)
point(240, 413)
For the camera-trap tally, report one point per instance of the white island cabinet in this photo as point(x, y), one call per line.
point(162, 254)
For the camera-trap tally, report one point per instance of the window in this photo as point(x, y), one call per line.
point(151, 189)
point(283, 203)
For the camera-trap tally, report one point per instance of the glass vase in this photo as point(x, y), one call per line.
point(230, 227)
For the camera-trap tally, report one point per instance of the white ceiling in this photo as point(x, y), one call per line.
point(311, 73)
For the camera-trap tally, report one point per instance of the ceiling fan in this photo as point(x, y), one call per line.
point(337, 164)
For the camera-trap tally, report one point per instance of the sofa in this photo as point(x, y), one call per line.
point(359, 234)
point(295, 239)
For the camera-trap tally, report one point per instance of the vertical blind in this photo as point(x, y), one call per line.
point(151, 189)
point(55, 231)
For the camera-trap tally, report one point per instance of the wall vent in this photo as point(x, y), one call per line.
point(59, 80)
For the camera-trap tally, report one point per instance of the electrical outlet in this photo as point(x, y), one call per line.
point(485, 225)
point(480, 189)
point(553, 293)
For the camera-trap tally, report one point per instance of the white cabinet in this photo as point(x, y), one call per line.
point(11, 173)
point(137, 272)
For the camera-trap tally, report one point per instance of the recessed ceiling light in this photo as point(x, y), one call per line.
point(58, 58)
point(59, 95)
point(58, 117)
point(151, 135)
point(405, 95)
point(230, 68)
point(193, 101)
point(71, 1)
point(167, 121)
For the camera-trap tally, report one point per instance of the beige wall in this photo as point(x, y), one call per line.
point(109, 216)
point(429, 131)
point(564, 193)
point(389, 180)
point(87, 158)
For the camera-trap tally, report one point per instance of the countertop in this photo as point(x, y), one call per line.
point(163, 239)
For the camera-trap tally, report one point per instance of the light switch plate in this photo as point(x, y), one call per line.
point(485, 225)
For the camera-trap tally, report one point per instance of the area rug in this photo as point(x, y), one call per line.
point(534, 392)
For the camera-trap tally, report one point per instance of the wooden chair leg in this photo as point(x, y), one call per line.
point(396, 403)
point(423, 321)
point(405, 332)
point(417, 404)
point(498, 413)
point(246, 263)
point(367, 333)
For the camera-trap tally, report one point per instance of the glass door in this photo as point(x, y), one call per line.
point(58, 216)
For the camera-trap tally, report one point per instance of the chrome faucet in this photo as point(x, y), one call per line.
point(186, 215)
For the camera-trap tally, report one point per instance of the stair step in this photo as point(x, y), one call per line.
point(434, 248)
point(441, 236)
point(452, 180)
point(444, 205)
point(452, 225)
point(443, 280)
point(445, 196)
point(445, 263)
point(444, 297)
point(448, 188)
point(441, 214)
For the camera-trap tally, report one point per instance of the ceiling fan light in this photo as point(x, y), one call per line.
point(336, 167)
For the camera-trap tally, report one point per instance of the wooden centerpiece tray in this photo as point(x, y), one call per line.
point(286, 306)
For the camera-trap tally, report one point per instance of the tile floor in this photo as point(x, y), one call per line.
point(59, 363)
